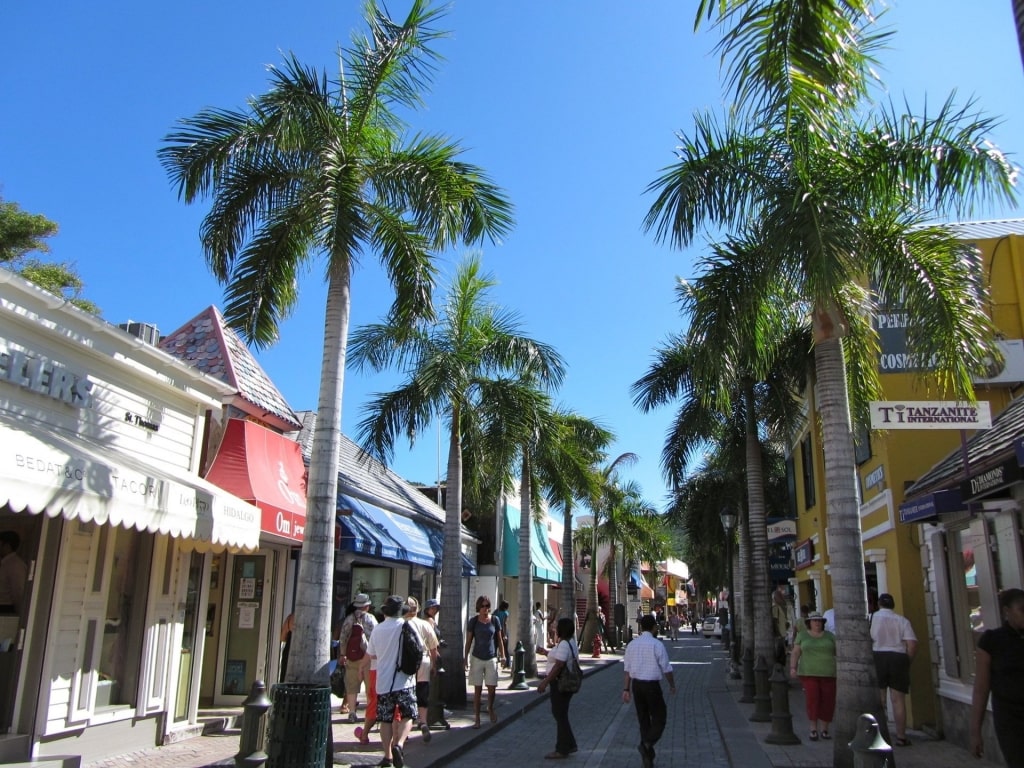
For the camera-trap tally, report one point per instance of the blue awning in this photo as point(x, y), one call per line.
point(929, 506)
point(374, 531)
point(436, 536)
point(545, 566)
point(636, 577)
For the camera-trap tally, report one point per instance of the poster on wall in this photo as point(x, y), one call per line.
point(247, 615)
point(234, 676)
point(247, 589)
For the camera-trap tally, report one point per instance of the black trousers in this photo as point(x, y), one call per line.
point(650, 710)
point(565, 741)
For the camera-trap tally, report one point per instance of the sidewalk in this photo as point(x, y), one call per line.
point(738, 732)
point(220, 749)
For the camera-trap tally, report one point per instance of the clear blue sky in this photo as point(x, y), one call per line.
point(570, 105)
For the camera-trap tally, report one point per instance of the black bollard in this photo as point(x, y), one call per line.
point(519, 669)
point(762, 693)
point(870, 750)
point(782, 718)
point(253, 738)
point(748, 676)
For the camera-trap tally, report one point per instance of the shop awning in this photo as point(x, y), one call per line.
point(370, 530)
point(545, 567)
point(636, 578)
point(42, 471)
point(266, 469)
point(436, 536)
point(929, 506)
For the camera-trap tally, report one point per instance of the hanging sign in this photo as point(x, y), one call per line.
point(925, 414)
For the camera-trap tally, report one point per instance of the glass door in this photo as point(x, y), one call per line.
point(19, 542)
point(246, 620)
point(192, 633)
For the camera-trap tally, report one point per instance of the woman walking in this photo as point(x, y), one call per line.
point(483, 638)
point(999, 670)
point(565, 652)
point(813, 658)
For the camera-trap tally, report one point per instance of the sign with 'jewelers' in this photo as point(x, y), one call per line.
point(924, 414)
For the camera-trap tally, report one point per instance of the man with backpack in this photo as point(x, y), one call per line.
point(352, 643)
point(396, 678)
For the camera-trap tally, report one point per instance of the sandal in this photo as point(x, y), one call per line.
point(826, 735)
point(493, 714)
point(901, 741)
point(813, 736)
point(555, 756)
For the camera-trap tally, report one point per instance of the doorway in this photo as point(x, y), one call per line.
point(25, 530)
point(245, 622)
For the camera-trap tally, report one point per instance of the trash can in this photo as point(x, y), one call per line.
point(300, 724)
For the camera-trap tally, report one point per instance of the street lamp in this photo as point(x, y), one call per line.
point(729, 518)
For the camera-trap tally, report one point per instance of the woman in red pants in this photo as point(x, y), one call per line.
point(813, 658)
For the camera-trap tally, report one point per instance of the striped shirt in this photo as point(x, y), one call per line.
point(646, 658)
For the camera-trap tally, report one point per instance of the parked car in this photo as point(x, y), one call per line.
point(712, 627)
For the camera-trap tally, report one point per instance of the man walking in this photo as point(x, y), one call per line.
point(645, 663)
point(894, 644)
point(396, 704)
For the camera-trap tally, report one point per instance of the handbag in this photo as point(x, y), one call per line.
point(571, 677)
point(338, 680)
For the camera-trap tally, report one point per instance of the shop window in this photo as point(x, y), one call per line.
point(968, 621)
point(374, 581)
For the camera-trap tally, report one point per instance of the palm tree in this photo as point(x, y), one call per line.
point(450, 366)
point(315, 168)
point(740, 371)
point(834, 198)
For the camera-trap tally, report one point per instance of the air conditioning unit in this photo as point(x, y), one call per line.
point(1012, 371)
point(148, 333)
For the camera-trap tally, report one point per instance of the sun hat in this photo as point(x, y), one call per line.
point(412, 604)
point(431, 603)
point(814, 616)
point(394, 606)
point(361, 600)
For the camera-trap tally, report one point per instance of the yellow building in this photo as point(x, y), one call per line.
point(890, 462)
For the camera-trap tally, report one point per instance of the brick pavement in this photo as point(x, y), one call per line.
point(708, 727)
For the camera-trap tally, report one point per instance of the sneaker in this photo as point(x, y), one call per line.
point(425, 730)
point(397, 756)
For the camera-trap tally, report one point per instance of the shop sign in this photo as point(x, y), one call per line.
point(926, 414)
point(781, 530)
point(803, 554)
point(991, 480)
point(44, 376)
point(874, 477)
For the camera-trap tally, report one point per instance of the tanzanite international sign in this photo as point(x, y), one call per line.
point(926, 414)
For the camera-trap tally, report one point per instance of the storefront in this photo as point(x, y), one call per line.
point(967, 510)
point(101, 440)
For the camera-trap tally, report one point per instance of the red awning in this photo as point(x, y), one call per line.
point(556, 550)
point(265, 468)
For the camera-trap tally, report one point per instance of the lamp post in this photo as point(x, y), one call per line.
point(728, 518)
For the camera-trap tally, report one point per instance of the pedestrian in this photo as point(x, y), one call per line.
point(286, 642)
point(602, 629)
point(429, 639)
point(814, 660)
point(673, 625)
point(483, 638)
point(645, 663)
point(539, 633)
point(396, 703)
point(13, 574)
point(893, 644)
point(435, 705)
point(780, 624)
point(999, 670)
point(694, 623)
point(566, 652)
point(356, 630)
point(502, 615)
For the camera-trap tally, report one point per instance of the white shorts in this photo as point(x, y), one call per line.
point(483, 671)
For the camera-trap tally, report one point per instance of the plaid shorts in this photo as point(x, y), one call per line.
point(396, 705)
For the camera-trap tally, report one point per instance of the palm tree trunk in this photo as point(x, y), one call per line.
point(453, 682)
point(1018, 18)
point(746, 577)
point(590, 621)
point(309, 653)
point(855, 670)
point(526, 567)
point(568, 565)
point(763, 642)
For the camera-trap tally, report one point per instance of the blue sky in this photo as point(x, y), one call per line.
point(571, 105)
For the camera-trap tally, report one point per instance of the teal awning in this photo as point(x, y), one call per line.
point(545, 566)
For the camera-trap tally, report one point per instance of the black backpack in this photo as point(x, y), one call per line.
point(410, 653)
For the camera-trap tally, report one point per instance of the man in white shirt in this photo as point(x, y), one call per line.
point(394, 687)
point(894, 644)
point(645, 663)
